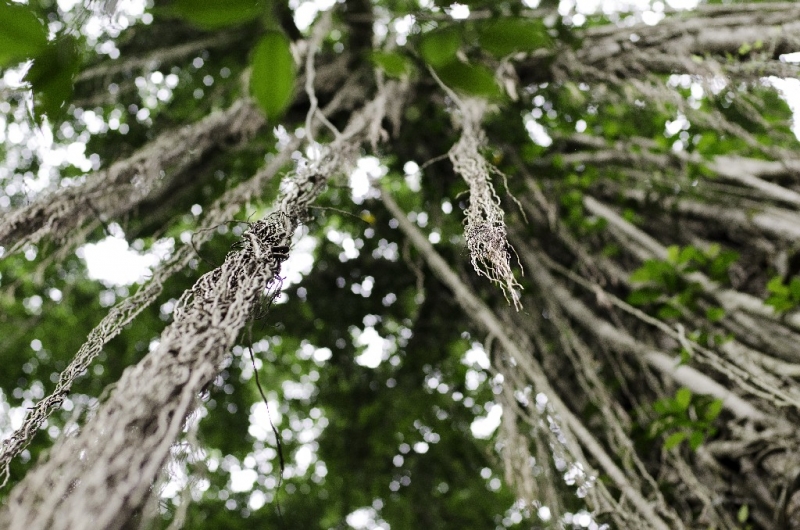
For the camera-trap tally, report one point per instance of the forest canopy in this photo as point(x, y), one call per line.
point(399, 264)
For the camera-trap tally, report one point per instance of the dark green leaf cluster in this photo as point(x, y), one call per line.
point(23, 37)
point(783, 297)
point(440, 48)
point(685, 417)
point(664, 282)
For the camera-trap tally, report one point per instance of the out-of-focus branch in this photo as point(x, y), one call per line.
point(156, 58)
point(484, 318)
point(111, 192)
point(674, 45)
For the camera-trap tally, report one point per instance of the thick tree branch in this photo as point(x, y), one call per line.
point(124, 312)
point(609, 52)
point(114, 191)
point(122, 448)
point(156, 59)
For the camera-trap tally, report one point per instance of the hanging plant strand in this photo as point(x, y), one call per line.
point(102, 475)
point(125, 311)
point(485, 228)
point(111, 192)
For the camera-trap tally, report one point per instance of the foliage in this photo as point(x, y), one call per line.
point(668, 277)
point(647, 185)
point(783, 297)
point(683, 418)
point(272, 76)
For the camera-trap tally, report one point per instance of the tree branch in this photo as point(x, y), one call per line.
point(484, 318)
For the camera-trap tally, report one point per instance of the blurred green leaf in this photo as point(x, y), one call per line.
point(643, 296)
point(658, 272)
point(22, 35)
point(721, 264)
point(394, 64)
point(783, 298)
point(682, 398)
point(474, 80)
point(775, 285)
point(745, 48)
point(215, 14)
point(781, 304)
point(641, 275)
point(689, 254)
point(505, 36)
point(713, 410)
point(743, 514)
point(673, 440)
point(273, 76)
point(673, 254)
point(794, 289)
point(715, 314)
point(667, 312)
point(439, 47)
point(696, 440)
point(51, 77)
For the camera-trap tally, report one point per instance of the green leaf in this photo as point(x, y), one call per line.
point(273, 76)
point(641, 275)
point(474, 80)
point(439, 47)
point(509, 35)
point(394, 64)
point(691, 253)
point(686, 356)
point(645, 296)
point(688, 296)
point(656, 271)
point(673, 440)
point(51, 77)
point(781, 304)
point(775, 285)
point(667, 312)
point(794, 289)
point(682, 398)
point(696, 440)
point(708, 141)
point(661, 407)
point(721, 264)
point(745, 48)
point(610, 250)
point(630, 215)
point(22, 35)
point(572, 198)
point(673, 254)
point(215, 14)
point(713, 410)
point(715, 314)
point(743, 514)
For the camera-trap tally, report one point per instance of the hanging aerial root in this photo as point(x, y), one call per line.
point(520, 424)
point(485, 228)
point(124, 312)
point(101, 476)
point(116, 190)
